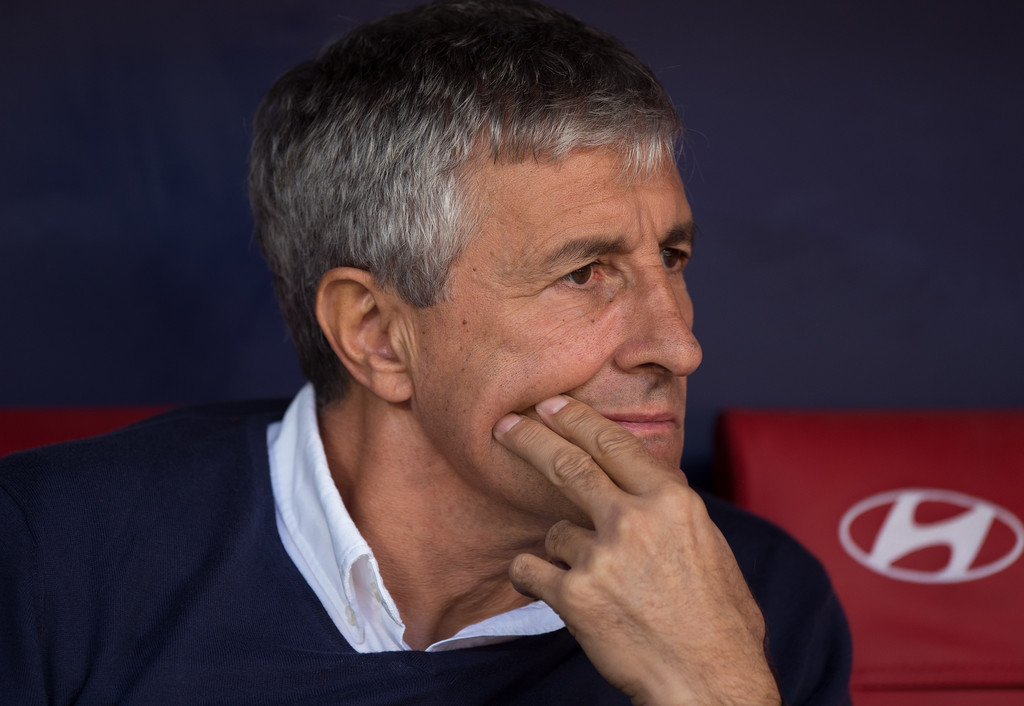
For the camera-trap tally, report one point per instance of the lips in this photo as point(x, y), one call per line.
point(645, 423)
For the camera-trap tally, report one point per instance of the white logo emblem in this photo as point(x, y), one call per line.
point(978, 536)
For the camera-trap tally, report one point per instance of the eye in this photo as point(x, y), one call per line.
point(673, 259)
point(581, 276)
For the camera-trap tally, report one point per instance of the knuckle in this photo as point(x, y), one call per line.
point(685, 500)
point(614, 441)
point(644, 532)
point(631, 524)
point(677, 491)
point(573, 467)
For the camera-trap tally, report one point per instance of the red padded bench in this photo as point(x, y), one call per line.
point(917, 517)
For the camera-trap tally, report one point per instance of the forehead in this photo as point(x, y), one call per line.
point(527, 210)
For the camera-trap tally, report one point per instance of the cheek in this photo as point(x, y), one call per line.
point(490, 363)
point(557, 355)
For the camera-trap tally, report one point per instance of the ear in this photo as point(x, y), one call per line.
point(361, 322)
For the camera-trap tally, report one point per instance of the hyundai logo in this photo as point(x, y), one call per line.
point(925, 535)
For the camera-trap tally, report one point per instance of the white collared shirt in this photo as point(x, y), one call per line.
point(336, 561)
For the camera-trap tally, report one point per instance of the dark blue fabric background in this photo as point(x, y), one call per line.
point(856, 169)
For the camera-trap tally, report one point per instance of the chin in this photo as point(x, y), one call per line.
point(669, 458)
point(667, 448)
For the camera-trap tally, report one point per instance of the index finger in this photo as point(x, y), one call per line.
point(622, 455)
point(568, 467)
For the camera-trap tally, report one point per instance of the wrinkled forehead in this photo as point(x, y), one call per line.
point(586, 202)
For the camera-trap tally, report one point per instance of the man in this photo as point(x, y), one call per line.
point(478, 235)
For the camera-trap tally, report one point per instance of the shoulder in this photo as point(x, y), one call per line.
point(133, 559)
point(808, 636)
point(138, 469)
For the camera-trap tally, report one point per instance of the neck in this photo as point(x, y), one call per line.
point(443, 550)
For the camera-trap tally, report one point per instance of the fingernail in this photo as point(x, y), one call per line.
point(506, 423)
point(552, 404)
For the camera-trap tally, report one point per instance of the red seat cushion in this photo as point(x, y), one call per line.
point(26, 428)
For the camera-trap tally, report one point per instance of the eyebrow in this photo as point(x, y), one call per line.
point(681, 234)
point(588, 249)
point(582, 250)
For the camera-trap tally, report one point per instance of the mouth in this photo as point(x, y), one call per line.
point(643, 425)
point(658, 428)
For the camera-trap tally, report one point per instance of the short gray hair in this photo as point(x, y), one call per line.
point(361, 157)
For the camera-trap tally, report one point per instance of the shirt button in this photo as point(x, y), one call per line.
point(350, 615)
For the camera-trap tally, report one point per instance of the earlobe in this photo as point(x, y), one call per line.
point(358, 318)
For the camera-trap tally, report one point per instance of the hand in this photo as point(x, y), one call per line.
point(653, 593)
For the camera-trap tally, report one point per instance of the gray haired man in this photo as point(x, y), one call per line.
point(478, 236)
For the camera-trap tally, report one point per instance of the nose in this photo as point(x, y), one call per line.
point(658, 329)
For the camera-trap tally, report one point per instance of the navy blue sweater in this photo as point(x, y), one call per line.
point(145, 567)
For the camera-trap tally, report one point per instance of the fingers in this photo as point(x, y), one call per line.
point(652, 593)
point(566, 546)
point(565, 465)
point(534, 577)
point(568, 543)
point(626, 460)
point(601, 447)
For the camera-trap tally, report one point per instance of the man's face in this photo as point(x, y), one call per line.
point(572, 284)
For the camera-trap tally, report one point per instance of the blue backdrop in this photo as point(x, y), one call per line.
point(855, 170)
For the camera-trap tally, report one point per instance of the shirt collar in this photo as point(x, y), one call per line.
point(337, 562)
